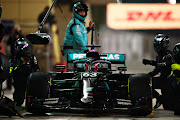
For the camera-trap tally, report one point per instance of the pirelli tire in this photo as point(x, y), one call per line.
point(140, 93)
point(38, 87)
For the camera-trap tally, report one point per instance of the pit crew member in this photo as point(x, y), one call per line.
point(21, 65)
point(164, 56)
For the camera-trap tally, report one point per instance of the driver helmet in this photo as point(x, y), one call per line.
point(176, 51)
point(21, 46)
point(79, 6)
point(161, 43)
point(93, 55)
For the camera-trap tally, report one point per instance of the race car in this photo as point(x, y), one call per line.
point(90, 85)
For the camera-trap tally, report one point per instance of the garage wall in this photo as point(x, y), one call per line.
point(23, 12)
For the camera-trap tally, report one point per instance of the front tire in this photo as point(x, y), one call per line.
point(140, 93)
point(38, 87)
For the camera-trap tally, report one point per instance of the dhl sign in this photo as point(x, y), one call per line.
point(127, 16)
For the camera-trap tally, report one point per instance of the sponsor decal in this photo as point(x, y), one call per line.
point(89, 89)
point(123, 102)
point(114, 57)
point(51, 101)
point(143, 16)
point(79, 56)
point(110, 57)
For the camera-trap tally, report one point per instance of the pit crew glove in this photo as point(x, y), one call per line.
point(175, 67)
point(149, 62)
point(145, 61)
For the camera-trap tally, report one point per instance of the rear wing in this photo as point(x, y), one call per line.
point(113, 58)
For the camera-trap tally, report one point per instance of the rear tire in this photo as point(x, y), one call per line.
point(140, 92)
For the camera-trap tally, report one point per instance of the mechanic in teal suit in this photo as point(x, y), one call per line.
point(76, 38)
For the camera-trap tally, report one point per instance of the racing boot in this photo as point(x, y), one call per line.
point(177, 109)
point(158, 103)
point(158, 99)
point(177, 113)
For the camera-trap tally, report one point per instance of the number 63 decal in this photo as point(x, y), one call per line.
point(86, 74)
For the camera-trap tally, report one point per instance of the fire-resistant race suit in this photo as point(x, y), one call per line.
point(76, 38)
point(21, 65)
point(163, 62)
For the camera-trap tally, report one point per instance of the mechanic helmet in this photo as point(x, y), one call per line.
point(21, 46)
point(176, 51)
point(161, 42)
point(79, 6)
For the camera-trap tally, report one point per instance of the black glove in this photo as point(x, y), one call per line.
point(145, 61)
point(149, 62)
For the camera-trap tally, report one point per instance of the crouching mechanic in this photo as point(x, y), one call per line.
point(21, 65)
point(176, 75)
point(76, 38)
point(164, 56)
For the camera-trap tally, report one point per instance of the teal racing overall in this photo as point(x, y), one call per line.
point(76, 36)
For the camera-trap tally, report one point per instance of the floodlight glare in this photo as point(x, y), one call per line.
point(172, 1)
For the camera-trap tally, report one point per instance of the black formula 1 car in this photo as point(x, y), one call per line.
point(92, 85)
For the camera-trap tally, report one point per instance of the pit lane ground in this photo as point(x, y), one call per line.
point(157, 114)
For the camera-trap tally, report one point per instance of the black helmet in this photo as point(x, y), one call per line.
point(79, 6)
point(93, 55)
point(176, 51)
point(161, 42)
point(21, 46)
